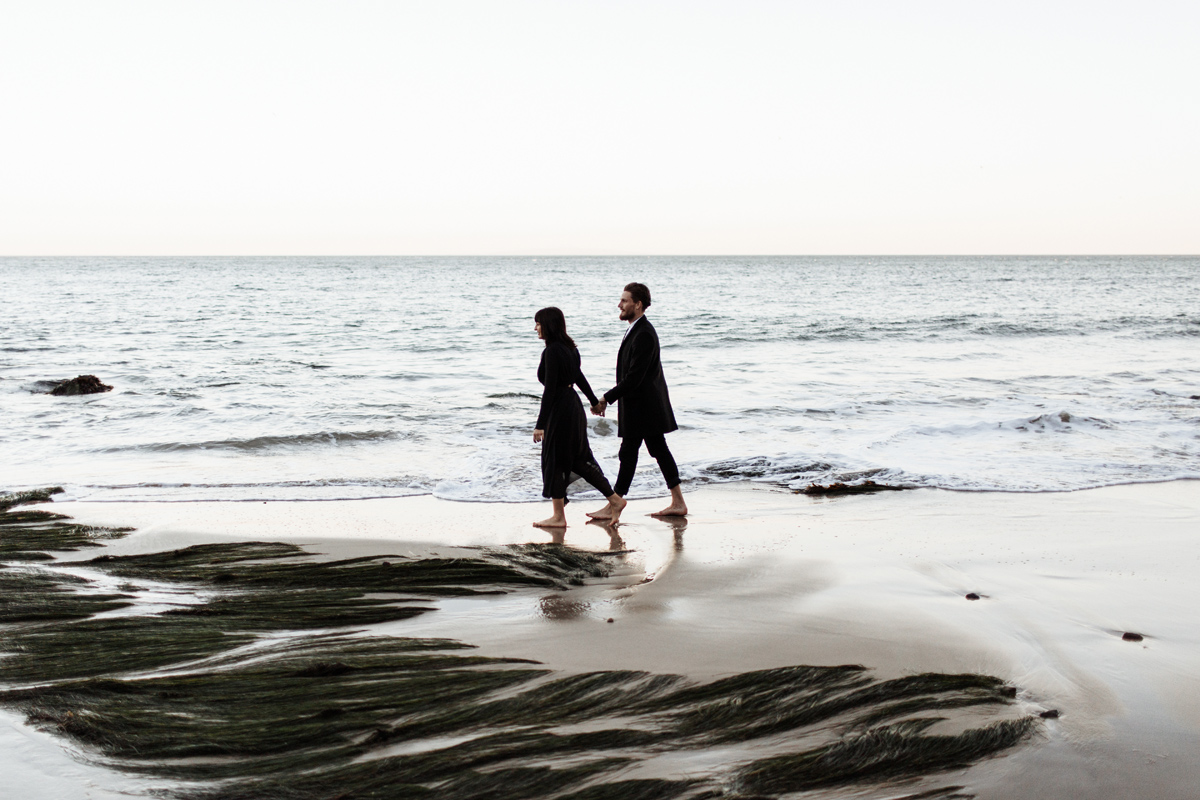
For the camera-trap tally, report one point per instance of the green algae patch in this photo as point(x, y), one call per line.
point(29, 591)
point(31, 534)
point(260, 676)
point(32, 595)
point(901, 750)
point(10, 499)
point(252, 565)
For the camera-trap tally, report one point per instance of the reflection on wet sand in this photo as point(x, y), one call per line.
point(678, 526)
point(615, 542)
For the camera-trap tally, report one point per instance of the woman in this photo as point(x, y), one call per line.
point(561, 423)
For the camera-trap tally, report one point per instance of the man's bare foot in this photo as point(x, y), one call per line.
point(611, 511)
point(678, 508)
point(673, 510)
point(551, 522)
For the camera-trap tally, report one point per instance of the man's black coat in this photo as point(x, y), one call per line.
point(641, 391)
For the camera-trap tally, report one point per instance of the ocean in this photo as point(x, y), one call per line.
point(344, 377)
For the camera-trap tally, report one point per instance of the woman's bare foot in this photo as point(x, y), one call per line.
point(559, 518)
point(616, 505)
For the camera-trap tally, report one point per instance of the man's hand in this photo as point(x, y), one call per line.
point(537, 436)
point(598, 409)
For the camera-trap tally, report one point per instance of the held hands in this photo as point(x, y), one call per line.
point(537, 436)
point(598, 409)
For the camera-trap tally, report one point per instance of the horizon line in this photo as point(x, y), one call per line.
point(595, 255)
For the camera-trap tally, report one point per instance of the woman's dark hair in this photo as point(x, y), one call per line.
point(554, 326)
point(639, 293)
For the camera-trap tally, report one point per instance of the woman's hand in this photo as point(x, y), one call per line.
point(537, 436)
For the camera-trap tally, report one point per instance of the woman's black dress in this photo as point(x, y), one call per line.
point(565, 448)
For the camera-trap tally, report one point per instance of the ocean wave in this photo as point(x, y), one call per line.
point(524, 487)
point(947, 328)
point(1050, 422)
point(262, 442)
point(797, 473)
point(294, 490)
point(1062, 421)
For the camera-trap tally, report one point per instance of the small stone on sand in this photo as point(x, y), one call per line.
point(1129, 636)
point(972, 596)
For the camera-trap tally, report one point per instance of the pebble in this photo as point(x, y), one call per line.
point(1129, 636)
point(972, 596)
point(1051, 714)
point(610, 619)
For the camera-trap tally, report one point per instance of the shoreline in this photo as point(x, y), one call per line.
point(760, 577)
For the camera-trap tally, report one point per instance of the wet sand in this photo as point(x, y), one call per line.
point(758, 577)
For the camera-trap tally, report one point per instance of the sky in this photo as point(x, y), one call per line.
point(598, 128)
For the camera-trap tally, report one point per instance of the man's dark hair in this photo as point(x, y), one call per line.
point(554, 326)
point(639, 293)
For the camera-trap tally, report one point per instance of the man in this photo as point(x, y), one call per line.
point(644, 408)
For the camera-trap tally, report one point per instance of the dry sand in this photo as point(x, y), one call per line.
point(758, 577)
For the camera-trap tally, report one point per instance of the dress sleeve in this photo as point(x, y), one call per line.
point(582, 382)
point(552, 362)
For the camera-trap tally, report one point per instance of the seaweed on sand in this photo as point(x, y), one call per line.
point(255, 588)
point(898, 750)
point(26, 535)
point(10, 499)
point(250, 565)
point(866, 487)
point(260, 687)
point(324, 718)
point(28, 595)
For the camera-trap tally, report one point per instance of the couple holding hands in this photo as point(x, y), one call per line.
point(644, 412)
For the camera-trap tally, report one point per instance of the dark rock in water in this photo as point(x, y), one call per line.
point(1129, 636)
point(610, 619)
point(1051, 714)
point(1008, 691)
point(856, 488)
point(84, 384)
point(972, 596)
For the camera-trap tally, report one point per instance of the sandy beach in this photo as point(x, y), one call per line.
point(759, 577)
